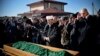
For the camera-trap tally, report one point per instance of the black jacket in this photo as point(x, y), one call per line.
point(54, 35)
point(87, 45)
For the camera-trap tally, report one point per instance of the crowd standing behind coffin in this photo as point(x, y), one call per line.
point(80, 32)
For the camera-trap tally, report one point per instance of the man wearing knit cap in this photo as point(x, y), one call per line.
point(51, 36)
point(49, 20)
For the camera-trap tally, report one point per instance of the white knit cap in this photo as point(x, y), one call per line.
point(49, 17)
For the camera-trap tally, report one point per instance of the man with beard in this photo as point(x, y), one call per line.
point(51, 34)
point(86, 40)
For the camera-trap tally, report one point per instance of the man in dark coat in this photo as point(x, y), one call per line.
point(84, 33)
point(2, 34)
point(51, 34)
point(87, 37)
point(97, 39)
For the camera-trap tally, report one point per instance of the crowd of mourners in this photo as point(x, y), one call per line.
point(80, 31)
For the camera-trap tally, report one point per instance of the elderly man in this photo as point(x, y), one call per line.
point(83, 33)
point(87, 33)
point(84, 13)
point(51, 34)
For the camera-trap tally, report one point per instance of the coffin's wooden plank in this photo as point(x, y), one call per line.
point(17, 52)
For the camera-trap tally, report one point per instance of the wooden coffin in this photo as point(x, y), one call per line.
point(16, 52)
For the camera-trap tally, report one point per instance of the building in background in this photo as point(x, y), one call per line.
point(44, 8)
